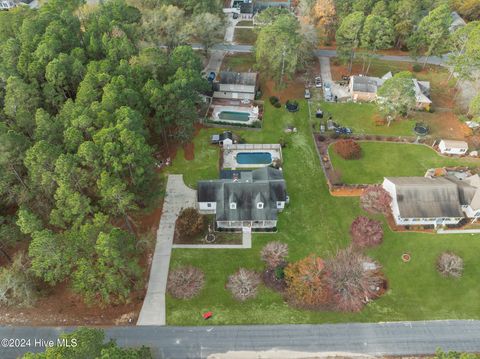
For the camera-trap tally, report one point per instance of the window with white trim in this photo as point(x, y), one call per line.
point(233, 205)
point(259, 205)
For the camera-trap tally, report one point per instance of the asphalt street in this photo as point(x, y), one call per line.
point(396, 338)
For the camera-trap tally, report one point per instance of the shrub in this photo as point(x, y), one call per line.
point(375, 199)
point(366, 232)
point(306, 285)
point(450, 265)
point(185, 282)
point(190, 223)
point(350, 283)
point(417, 67)
point(16, 285)
point(348, 149)
point(274, 100)
point(274, 254)
point(243, 284)
point(277, 105)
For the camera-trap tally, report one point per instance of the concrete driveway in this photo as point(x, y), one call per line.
point(177, 197)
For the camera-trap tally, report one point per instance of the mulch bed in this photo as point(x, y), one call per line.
point(189, 151)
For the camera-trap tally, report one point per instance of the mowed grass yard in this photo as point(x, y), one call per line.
point(384, 159)
point(315, 222)
point(244, 36)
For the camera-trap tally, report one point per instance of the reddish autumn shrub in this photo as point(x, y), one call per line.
point(306, 285)
point(274, 254)
point(375, 199)
point(450, 265)
point(244, 284)
point(353, 280)
point(348, 149)
point(366, 232)
point(190, 223)
point(185, 282)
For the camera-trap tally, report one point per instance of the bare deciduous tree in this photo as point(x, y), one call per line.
point(274, 254)
point(185, 282)
point(450, 265)
point(375, 199)
point(354, 279)
point(366, 232)
point(243, 284)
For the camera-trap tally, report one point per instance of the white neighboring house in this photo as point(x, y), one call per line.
point(433, 201)
point(452, 147)
point(424, 201)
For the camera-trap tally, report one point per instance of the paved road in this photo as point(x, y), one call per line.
point(177, 197)
point(401, 338)
point(432, 60)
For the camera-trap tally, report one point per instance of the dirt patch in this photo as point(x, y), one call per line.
point(189, 151)
point(292, 89)
point(62, 307)
point(346, 192)
point(271, 281)
point(444, 124)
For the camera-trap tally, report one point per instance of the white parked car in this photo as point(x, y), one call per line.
point(318, 82)
point(307, 94)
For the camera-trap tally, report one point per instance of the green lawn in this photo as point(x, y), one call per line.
point(245, 36)
point(392, 159)
point(317, 222)
point(360, 117)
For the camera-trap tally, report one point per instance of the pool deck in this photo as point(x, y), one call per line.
point(230, 154)
point(247, 108)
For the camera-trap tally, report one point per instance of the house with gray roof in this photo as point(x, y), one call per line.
point(364, 88)
point(457, 22)
point(237, 85)
point(435, 201)
point(241, 199)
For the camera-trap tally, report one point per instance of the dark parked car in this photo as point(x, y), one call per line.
point(319, 114)
point(343, 131)
point(211, 76)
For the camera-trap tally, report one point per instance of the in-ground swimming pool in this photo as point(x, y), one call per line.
point(234, 116)
point(254, 158)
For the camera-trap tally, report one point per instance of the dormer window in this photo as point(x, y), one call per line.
point(260, 205)
point(233, 205)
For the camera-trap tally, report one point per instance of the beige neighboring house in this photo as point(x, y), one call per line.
point(436, 201)
point(237, 86)
point(364, 88)
point(452, 147)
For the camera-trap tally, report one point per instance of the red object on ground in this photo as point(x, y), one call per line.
point(207, 315)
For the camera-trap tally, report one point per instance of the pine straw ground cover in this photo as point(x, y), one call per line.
point(315, 222)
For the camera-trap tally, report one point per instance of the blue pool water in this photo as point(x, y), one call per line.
point(234, 116)
point(254, 158)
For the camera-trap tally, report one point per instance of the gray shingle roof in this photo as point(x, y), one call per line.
point(420, 197)
point(265, 185)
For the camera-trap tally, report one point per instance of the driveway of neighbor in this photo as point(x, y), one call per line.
point(177, 197)
point(340, 91)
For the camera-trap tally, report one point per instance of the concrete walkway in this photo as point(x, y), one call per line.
point(246, 244)
point(325, 69)
point(458, 231)
point(215, 61)
point(177, 197)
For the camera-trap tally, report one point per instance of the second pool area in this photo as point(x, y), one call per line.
point(254, 158)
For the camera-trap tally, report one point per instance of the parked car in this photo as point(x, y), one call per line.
point(307, 94)
point(319, 113)
point(211, 76)
point(318, 82)
point(343, 131)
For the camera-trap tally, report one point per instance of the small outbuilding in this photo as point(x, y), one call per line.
point(225, 138)
point(452, 147)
